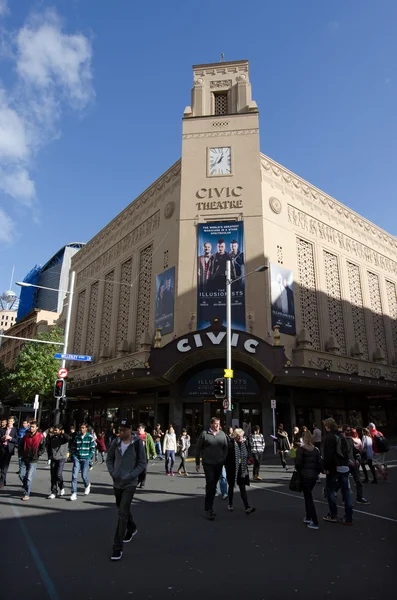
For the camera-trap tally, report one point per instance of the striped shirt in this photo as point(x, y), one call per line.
point(84, 446)
point(257, 442)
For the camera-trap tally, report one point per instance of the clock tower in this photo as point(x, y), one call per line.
point(220, 179)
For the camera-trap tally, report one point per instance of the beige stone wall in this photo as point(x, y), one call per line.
point(345, 268)
point(115, 275)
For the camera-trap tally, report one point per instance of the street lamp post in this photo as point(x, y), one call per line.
point(70, 292)
point(229, 283)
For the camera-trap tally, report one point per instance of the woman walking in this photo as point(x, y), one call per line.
point(169, 449)
point(257, 442)
point(100, 446)
point(237, 469)
point(308, 464)
point(183, 445)
point(368, 456)
point(283, 445)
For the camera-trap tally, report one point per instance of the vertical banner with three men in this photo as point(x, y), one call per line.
point(218, 242)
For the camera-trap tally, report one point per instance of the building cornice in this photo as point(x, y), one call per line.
point(327, 203)
point(128, 219)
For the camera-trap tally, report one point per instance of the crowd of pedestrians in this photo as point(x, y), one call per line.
point(225, 458)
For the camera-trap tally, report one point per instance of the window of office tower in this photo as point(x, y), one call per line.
point(221, 103)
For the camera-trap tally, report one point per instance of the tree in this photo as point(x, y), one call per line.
point(5, 384)
point(36, 368)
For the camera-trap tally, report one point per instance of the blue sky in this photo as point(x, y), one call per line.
point(92, 94)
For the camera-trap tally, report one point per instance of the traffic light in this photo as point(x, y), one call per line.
point(60, 388)
point(220, 388)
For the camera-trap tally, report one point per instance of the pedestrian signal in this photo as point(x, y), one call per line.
point(60, 388)
point(220, 388)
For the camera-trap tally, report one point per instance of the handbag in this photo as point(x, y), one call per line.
point(295, 485)
point(292, 453)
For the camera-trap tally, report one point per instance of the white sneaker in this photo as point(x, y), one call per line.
point(225, 497)
point(87, 489)
point(51, 497)
point(62, 492)
point(73, 497)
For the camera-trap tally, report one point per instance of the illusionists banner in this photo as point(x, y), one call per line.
point(165, 287)
point(282, 289)
point(218, 242)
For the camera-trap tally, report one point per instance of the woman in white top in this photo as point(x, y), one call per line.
point(169, 449)
point(368, 456)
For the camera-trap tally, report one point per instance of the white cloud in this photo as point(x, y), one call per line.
point(3, 7)
point(6, 227)
point(53, 73)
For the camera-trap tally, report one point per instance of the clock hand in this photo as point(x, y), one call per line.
point(220, 159)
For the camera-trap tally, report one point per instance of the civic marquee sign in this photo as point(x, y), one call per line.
point(186, 345)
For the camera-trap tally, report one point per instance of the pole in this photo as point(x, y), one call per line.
point(274, 430)
point(36, 405)
point(66, 338)
point(228, 342)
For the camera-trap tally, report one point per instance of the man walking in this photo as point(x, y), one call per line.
point(336, 467)
point(8, 442)
point(125, 461)
point(33, 448)
point(59, 446)
point(82, 454)
point(212, 446)
point(157, 438)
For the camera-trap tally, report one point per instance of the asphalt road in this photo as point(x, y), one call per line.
point(60, 550)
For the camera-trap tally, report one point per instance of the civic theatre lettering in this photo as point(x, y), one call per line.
point(185, 345)
point(333, 236)
point(216, 198)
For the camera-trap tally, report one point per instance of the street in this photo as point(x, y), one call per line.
point(60, 550)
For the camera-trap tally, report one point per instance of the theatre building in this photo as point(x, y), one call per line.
point(316, 331)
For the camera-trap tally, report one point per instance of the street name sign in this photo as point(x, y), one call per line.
point(74, 357)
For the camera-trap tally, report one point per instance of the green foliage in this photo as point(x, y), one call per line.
point(36, 368)
point(5, 384)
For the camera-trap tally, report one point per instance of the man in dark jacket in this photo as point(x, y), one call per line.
point(33, 448)
point(8, 442)
point(125, 461)
point(212, 446)
point(58, 447)
point(336, 468)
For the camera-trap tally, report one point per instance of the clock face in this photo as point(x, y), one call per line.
point(220, 161)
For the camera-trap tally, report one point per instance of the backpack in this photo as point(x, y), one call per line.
point(342, 449)
point(382, 444)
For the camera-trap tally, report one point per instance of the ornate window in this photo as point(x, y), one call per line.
point(124, 302)
point(107, 310)
point(144, 292)
point(79, 322)
point(377, 313)
point(392, 302)
point(221, 107)
point(356, 301)
point(92, 311)
point(334, 300)
point(307, 291)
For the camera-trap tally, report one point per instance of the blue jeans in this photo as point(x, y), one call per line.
point(223, 482)
point(339, 481)
point(158, 449)
point(78, 464)
point(169, 455)
point(26, 474)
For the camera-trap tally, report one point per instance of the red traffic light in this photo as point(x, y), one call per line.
point(60, 388)
point(220, 388)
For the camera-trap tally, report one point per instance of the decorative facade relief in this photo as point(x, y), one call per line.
point(317, 197)
point(307, 291)
point(144, 292)
point(357, 305)
point(79, 322)
point(392, 303)
point(92, 312)
point(220, 84)
point(376, 309)
point(332, 236)
point(123, 312)
point(209, 134)
point(126, 243)
point(334, 300)
point(106, 320)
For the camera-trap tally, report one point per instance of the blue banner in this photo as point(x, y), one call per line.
point(165, 293)
point(217, 243)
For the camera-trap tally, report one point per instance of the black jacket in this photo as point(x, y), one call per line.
point(308, 463)
point(332, 460)
point(230, 464)
point(12, 443)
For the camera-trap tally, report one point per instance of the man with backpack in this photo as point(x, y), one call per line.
point(380, 446)
point(336, 468)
